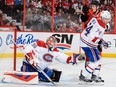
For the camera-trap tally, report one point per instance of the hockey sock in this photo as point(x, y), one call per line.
point(88, 70)
point(97, 70)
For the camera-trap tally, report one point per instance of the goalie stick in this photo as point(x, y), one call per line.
point(36, 67)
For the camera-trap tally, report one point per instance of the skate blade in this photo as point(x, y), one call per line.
point(91, 83)
point(84, 83)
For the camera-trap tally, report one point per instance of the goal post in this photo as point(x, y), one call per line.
point(4, 42)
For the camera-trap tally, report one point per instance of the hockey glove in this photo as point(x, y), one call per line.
point(31, 58)
point(77, 57)
point(105, 44)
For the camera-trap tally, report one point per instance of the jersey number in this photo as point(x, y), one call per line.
point(88, 30)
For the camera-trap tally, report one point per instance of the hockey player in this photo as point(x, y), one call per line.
point(89, 42)
point(88, 13)
point(42, 54)
point(94, 11)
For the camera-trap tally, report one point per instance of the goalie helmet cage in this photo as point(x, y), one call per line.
point(13, 31)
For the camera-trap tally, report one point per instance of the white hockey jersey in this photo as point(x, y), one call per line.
point(93, 33)
point(44, 56)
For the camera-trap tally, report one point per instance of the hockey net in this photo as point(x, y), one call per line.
point(8, 36)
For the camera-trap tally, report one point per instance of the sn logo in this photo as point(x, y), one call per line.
point(64, 38)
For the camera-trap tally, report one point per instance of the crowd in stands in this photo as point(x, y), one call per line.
point(11, 12)
point(67, 14)
point(39, 13)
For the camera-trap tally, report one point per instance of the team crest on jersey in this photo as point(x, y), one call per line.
point(63, 46)
point(48, 57)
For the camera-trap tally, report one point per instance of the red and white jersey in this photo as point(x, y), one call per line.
point(43, 55)
point(93, 33)
point(10, 2)
point(66, 5)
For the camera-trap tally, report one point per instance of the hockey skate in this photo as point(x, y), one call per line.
point(96, 78)
point(83, 78)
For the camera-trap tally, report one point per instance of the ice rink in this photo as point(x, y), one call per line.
point(70, 74)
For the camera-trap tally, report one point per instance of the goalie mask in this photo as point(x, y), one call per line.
point(51, 41)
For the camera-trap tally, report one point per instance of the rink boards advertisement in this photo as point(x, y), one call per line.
point(67, 42)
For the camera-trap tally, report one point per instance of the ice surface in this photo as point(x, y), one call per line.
point(70, 74)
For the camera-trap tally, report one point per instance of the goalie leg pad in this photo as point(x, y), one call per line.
point(20, 77)
point(56, 76)
point(53, 74)
point(27, 68)
point(48, 71)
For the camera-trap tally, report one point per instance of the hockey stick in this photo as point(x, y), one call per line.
point(36, 67)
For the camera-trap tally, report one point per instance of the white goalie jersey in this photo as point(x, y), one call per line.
point(93, 33)
point(44, 56)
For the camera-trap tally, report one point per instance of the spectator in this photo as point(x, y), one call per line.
point(3, 17)
point(1, 22)
point(6, 23)
point(60, 27)
point(70, 24)
point(13, 23)
point(10, 7)
point(59, 18)
point(38, 4)
point(60, 8)
point(77, 7)
point(66, 6)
